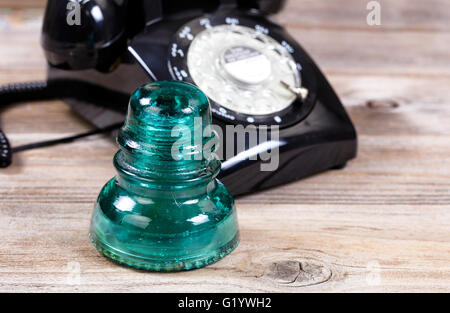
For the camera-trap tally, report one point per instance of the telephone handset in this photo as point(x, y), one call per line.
point(254, 73)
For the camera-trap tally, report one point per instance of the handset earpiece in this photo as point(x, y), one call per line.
point(84, 34)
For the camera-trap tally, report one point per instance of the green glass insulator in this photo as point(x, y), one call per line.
point(165, 210)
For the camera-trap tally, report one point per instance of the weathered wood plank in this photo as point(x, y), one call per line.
point(22, 4)
point(396, 15)
point(348, 248)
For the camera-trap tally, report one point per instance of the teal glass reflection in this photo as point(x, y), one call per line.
point(165, 210)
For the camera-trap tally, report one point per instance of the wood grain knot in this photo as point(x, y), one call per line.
point(381, 104)
point(298, 273)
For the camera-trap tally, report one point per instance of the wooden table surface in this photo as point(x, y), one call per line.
point(380, 224)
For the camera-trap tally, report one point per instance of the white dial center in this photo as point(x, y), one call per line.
point(246, 65)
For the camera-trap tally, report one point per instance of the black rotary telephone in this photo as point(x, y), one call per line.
point(254, 73)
